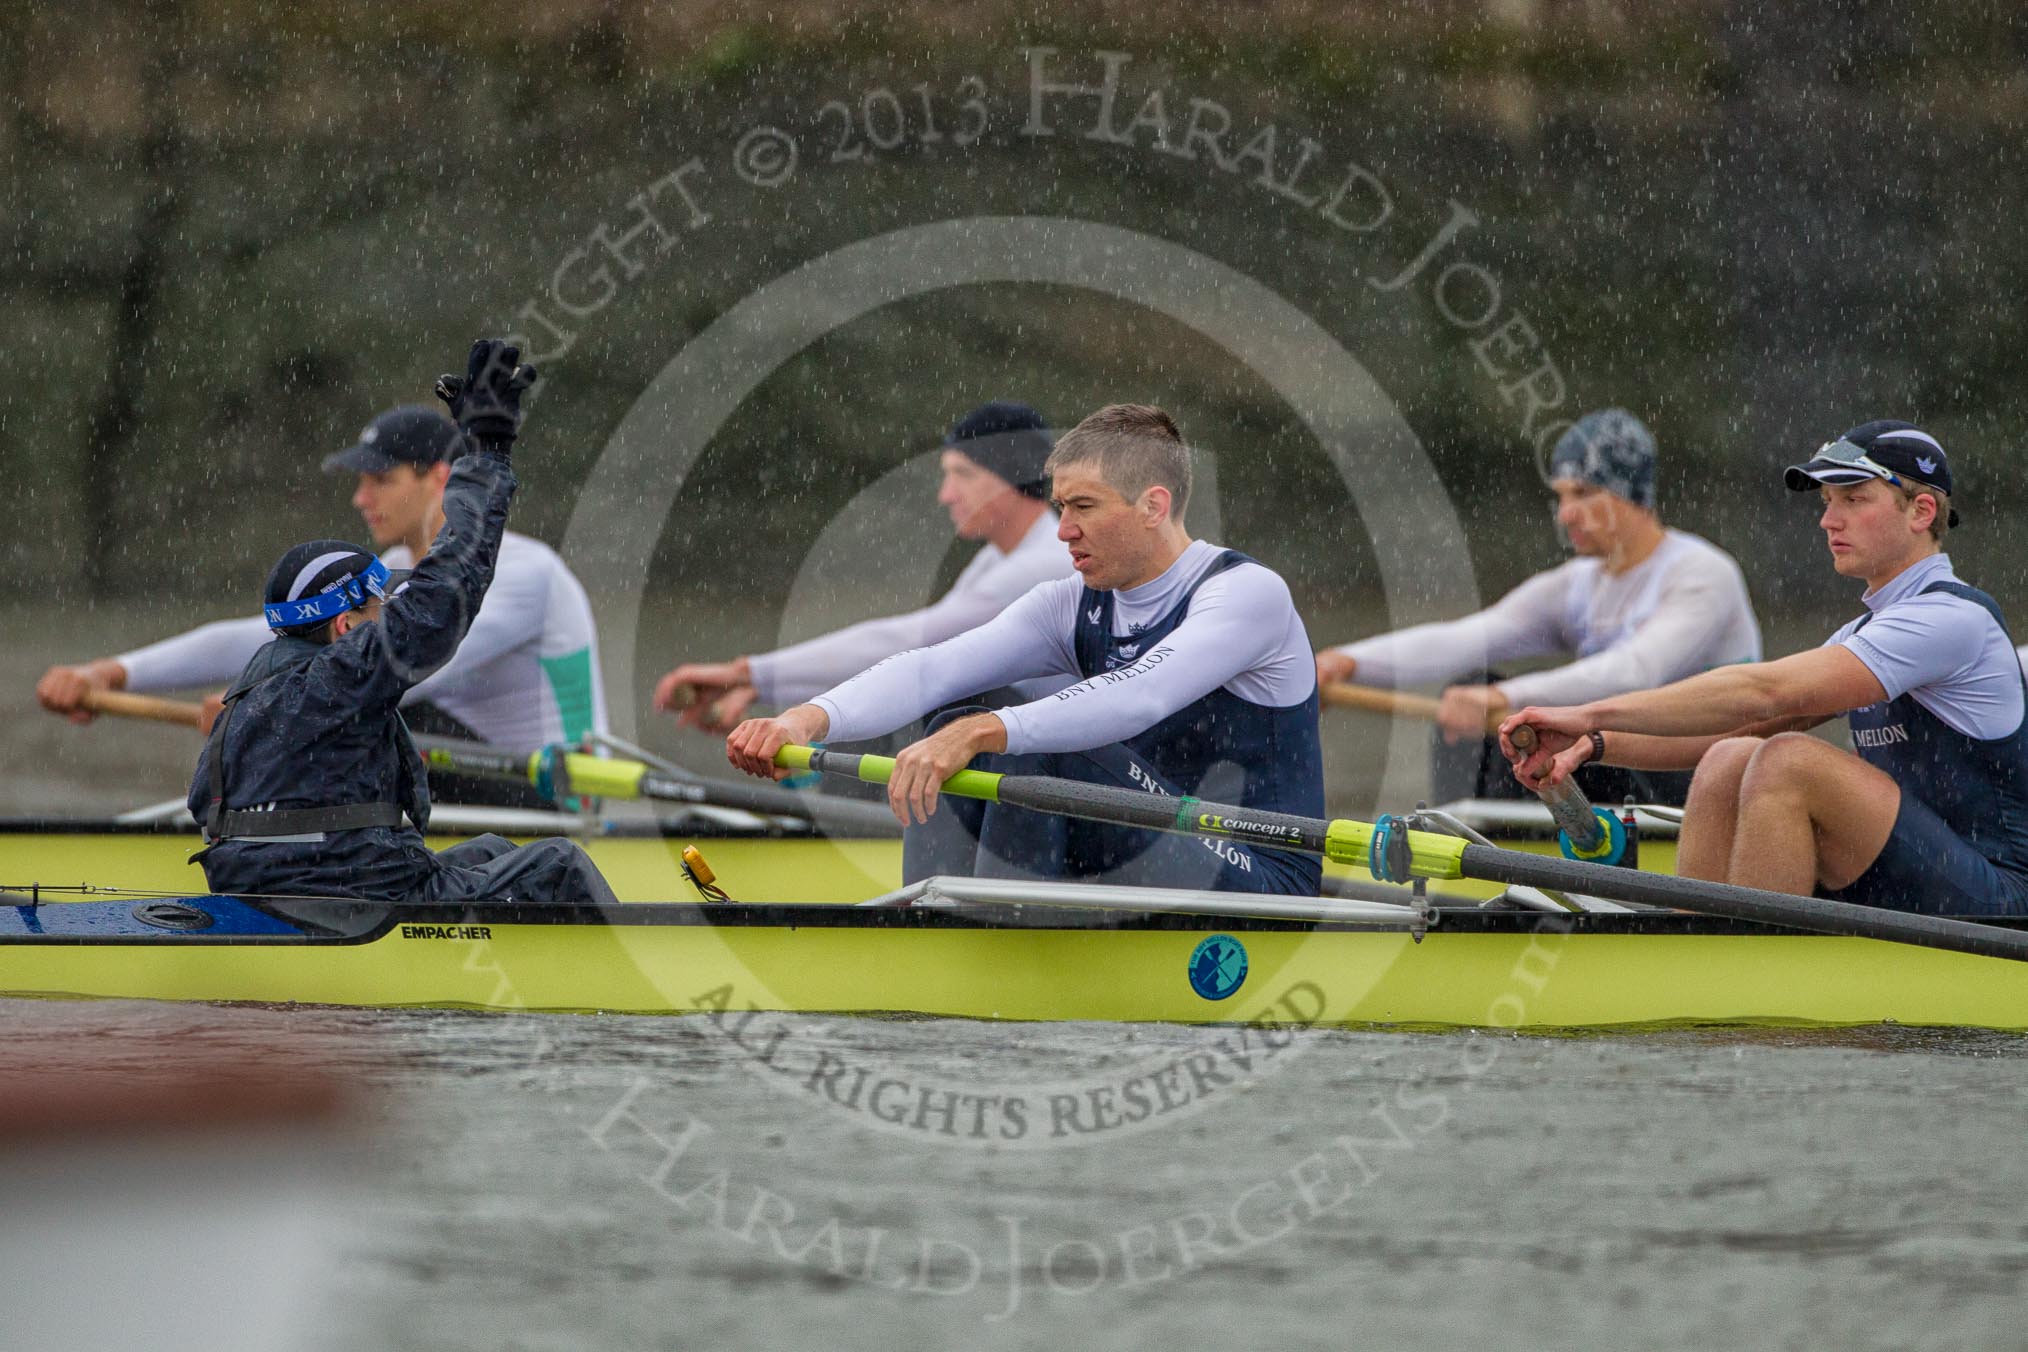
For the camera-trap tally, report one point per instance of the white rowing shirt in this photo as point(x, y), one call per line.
point(526, 674)
point(1682, 610)
point(992, 581)
point(1242, 634)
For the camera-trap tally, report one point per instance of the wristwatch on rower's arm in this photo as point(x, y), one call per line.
point(1597, 756)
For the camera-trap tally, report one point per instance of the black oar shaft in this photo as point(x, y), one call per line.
point(1742, 903)
point(472, 758)
point(1444, 856)
point(1099, 802)
point(1428, 854)
point(1273, 830)
point(1493, 864)
point(842, 816)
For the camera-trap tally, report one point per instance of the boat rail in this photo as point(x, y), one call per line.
point(1002, 892)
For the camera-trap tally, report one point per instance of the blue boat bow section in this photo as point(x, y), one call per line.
point(211, 918)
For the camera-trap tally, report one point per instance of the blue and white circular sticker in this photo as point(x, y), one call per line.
point(1218, 967)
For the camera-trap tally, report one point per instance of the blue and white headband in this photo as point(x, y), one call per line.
point(347, 593)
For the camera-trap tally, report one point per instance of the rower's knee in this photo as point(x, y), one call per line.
point(1722, 767)
point(1781, 764)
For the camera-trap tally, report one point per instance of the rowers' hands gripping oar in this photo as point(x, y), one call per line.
point(754, 746)
point(1556, 745)
point(708, 696)
point(921, 768)
point(83, 693)
point(914, 778)
point(68, 690)
point(1586, 832)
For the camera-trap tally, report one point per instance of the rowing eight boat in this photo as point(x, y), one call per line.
point(1039, 950)
point(962, 948)
point(976, 949)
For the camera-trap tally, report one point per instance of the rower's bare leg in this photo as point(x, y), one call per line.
point(1711, 813)
point(1811, 814)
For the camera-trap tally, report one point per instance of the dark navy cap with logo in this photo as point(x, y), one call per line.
point(413, 434)
point(1012, 440)
point(1898, 452)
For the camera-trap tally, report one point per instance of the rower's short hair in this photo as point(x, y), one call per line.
point(1135, 446)
point(1910, 491)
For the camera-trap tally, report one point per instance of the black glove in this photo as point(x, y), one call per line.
point(486, 400)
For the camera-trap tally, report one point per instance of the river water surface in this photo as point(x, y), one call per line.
point(551, 1182)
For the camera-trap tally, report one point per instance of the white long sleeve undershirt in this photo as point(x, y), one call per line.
point(210, 654)
point(497, 683)
point(1700, 618)
point(991, 582)
point(1242, 634)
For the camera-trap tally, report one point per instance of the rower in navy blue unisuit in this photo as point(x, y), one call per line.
point(1192, 676)
point(309, 784)
point(1221, 747)
point(1929, 810)
point(1952, 736)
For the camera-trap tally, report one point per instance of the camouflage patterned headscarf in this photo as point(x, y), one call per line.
point(1612, 449)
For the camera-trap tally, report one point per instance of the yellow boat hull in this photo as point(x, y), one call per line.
point(1474, 969)
point(789, 946)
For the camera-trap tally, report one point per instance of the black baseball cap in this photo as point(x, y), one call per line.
point(1010, 439)
point(1882, 449)
point(413, 434)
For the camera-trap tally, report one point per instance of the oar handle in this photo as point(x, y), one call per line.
point(124, 705)
point(981, 784)
point(1400, 703)
point(1567, 804)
